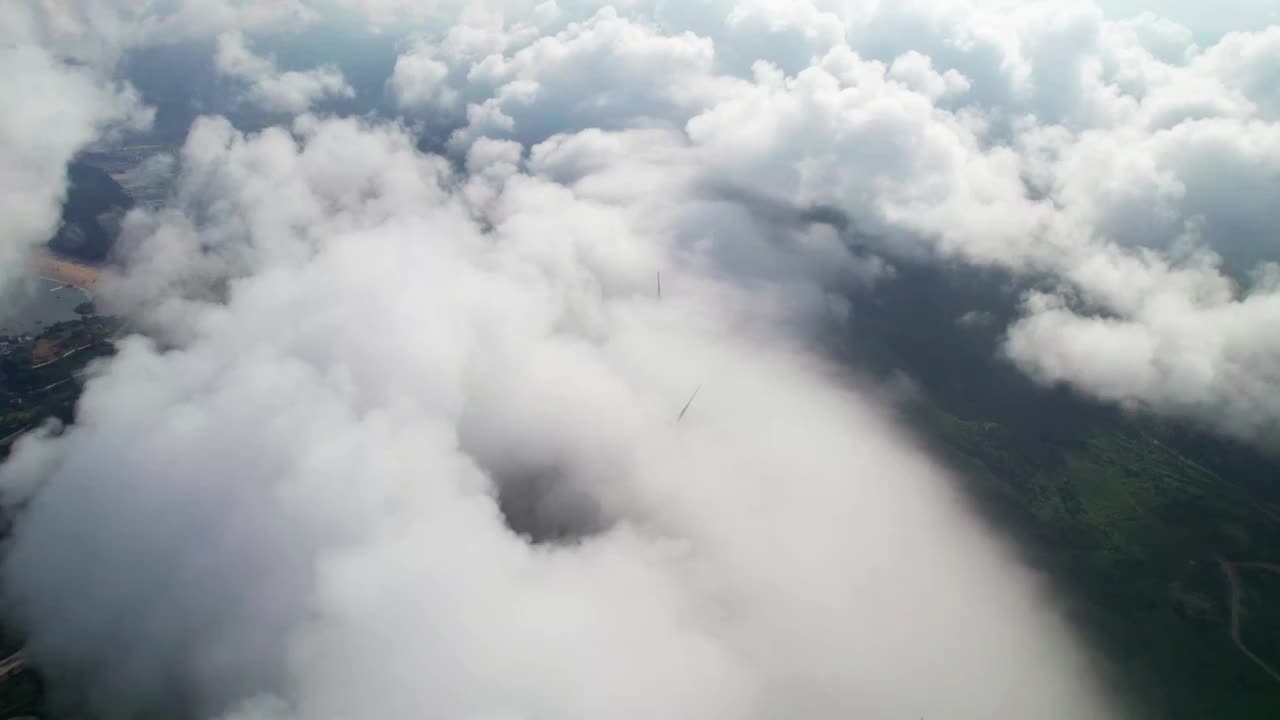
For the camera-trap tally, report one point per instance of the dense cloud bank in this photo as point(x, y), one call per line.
point(367, 364)
point(1133, 167)
point(298, 507)
point(1130, 156)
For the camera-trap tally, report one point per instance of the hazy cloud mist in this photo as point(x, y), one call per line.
point(300, 501)
point(286, 92)
point(403, 440)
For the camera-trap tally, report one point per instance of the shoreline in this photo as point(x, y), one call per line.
point(61, 270)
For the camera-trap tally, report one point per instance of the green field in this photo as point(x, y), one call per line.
point(1260, 621)
point(34, 389)
point(1129, 515)
point(1132, 530)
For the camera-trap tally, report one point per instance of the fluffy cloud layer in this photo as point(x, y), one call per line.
point(59, 59)
point(372, 369)
point(267, 87)
point(385, 379)
point(1115, 156)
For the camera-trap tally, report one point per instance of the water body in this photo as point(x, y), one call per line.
point(32, 306)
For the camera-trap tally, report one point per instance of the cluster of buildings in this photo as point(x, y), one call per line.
point(9, 343)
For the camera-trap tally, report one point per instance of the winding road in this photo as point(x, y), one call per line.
point(1231, 570)
point(12, 664)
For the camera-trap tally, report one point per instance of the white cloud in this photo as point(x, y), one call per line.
point(1247, 61)
point(59, 60)
point(98, 32)
point(1208, 22)
point(52, 109)
point(419, 79)
point(606, 71)
point(291, 91)
point(916, 70)
point(1175, 354)
point(1134, 162)
point(364, 345)
point(383, 367)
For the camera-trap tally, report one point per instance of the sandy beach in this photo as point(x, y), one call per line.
point(50, 266)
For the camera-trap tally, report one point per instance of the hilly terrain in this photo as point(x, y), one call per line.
point(1141, 524)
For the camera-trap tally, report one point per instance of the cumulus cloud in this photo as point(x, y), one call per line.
point(386, 378)
point(404, 437)
point(419, 79)
point(1247, 61)
point(916, 70)
point(61, 93)
point(99, 32)
point(604, 72)
point(290, 91)
point(1175, 354)
point(1109, 151)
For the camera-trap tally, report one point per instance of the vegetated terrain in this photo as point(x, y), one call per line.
point(37, 377)
point(1135, 520)
point(1259, 622)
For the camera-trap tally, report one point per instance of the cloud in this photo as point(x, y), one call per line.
point(606, 72)
point(1244, 60)
point(60, 59)
point(1185, 343)
point(1045, 139)
point(916, 71)
point(99, 32)
point(419, 79)
point(291, 91)
point(385, 376)
point(55, 108)
point(1208, 23)
point(369, 364)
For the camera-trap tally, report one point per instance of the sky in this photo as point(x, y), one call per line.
point(387, 318)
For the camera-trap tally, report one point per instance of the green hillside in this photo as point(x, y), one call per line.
point(1131, 517)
